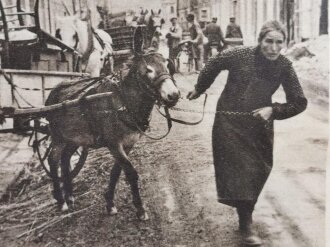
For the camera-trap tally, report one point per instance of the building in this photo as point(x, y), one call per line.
point(183, 8)
point(301, 17)
point(169, 10)
point(200, 8)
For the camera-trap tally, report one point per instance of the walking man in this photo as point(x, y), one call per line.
point(196, 35)
point(215, 36)
point(174, 37)
point(233, 30)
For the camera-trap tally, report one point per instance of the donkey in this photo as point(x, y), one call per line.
point(94, 45)
point(149, 80)
point(154, 23)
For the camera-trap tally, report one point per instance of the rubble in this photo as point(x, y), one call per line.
point(311, 62)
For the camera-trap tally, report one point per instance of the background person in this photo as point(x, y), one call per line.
point(174, 37)
point(196, 35)
point(243, 133)
point(215, 36)
point(233, 30)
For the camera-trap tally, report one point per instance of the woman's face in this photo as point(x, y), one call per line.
point(272, 44)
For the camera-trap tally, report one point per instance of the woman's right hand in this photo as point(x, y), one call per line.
point(193, 95)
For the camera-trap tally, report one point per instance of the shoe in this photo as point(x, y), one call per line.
point(251, 239)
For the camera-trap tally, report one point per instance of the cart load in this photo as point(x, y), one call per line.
point(124, 39)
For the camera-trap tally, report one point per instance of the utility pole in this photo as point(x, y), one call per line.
point(324, 17)
point(74, 6)
point(289, 19)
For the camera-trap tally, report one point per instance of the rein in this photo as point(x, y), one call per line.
point(169, 127)
point(168, 116)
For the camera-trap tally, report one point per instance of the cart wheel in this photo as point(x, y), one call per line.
point(43, 148)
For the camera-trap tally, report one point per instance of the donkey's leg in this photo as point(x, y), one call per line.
point(66, 175)
point(110, 194)
point(132, 178)
point(54, 159)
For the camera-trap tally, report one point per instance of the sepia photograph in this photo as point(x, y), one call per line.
point(164, 123)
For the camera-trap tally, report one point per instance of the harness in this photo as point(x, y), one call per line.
point(150, 89)
point(124, 113)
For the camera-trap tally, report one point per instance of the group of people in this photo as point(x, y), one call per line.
point(243, 132)
point(200, 49)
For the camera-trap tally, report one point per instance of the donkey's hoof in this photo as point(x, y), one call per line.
point(143, 216)
point(113, 211)
point(65, 207)
point(70, 202)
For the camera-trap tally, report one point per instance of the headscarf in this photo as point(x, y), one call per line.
point(270, 26)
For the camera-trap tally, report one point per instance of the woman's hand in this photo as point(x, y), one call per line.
point(193, 94)
point(263, 113)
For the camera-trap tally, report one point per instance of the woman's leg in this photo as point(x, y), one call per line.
point(245, 211)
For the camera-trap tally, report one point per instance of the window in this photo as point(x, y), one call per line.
point(172, 10)
point(204, 13)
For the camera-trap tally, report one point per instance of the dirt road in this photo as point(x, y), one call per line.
point(178, 189)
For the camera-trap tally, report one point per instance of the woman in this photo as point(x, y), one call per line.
point(243, 128)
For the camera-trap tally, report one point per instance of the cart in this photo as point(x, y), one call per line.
point(123, 44)
point(22, 97)
point(32, 62)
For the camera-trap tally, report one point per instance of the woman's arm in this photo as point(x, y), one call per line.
point(296, 101)
point(211, 70)
point(208, 74)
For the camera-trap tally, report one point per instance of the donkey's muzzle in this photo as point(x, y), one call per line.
point(170, 93)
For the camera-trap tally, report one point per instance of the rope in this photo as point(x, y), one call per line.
point(268, 123)
point(182, 121)
point(13, 86)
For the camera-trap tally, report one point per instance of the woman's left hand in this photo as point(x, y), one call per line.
point(263, 113)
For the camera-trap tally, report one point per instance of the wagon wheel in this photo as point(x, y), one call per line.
point(43, 147)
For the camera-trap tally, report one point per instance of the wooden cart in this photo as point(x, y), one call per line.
point(22, 97)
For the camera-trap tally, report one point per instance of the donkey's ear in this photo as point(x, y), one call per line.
point(162, 21)
point(138, 41)
point(170, 66)
point(152, 12)
point(58, 33)
point(159, 11)
point(146, 12)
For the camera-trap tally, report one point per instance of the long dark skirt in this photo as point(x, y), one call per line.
point(243, 157)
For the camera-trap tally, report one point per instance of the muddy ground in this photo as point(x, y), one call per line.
point(178, 189)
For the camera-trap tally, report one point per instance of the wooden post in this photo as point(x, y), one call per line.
point(6, 46)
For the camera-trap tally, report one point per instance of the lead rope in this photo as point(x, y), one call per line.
point(182, 121)
point(169, 127)
point(268, 123)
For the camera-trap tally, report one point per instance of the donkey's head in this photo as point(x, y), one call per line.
point(155, 22)
point(154, 75)
point(141, 17)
